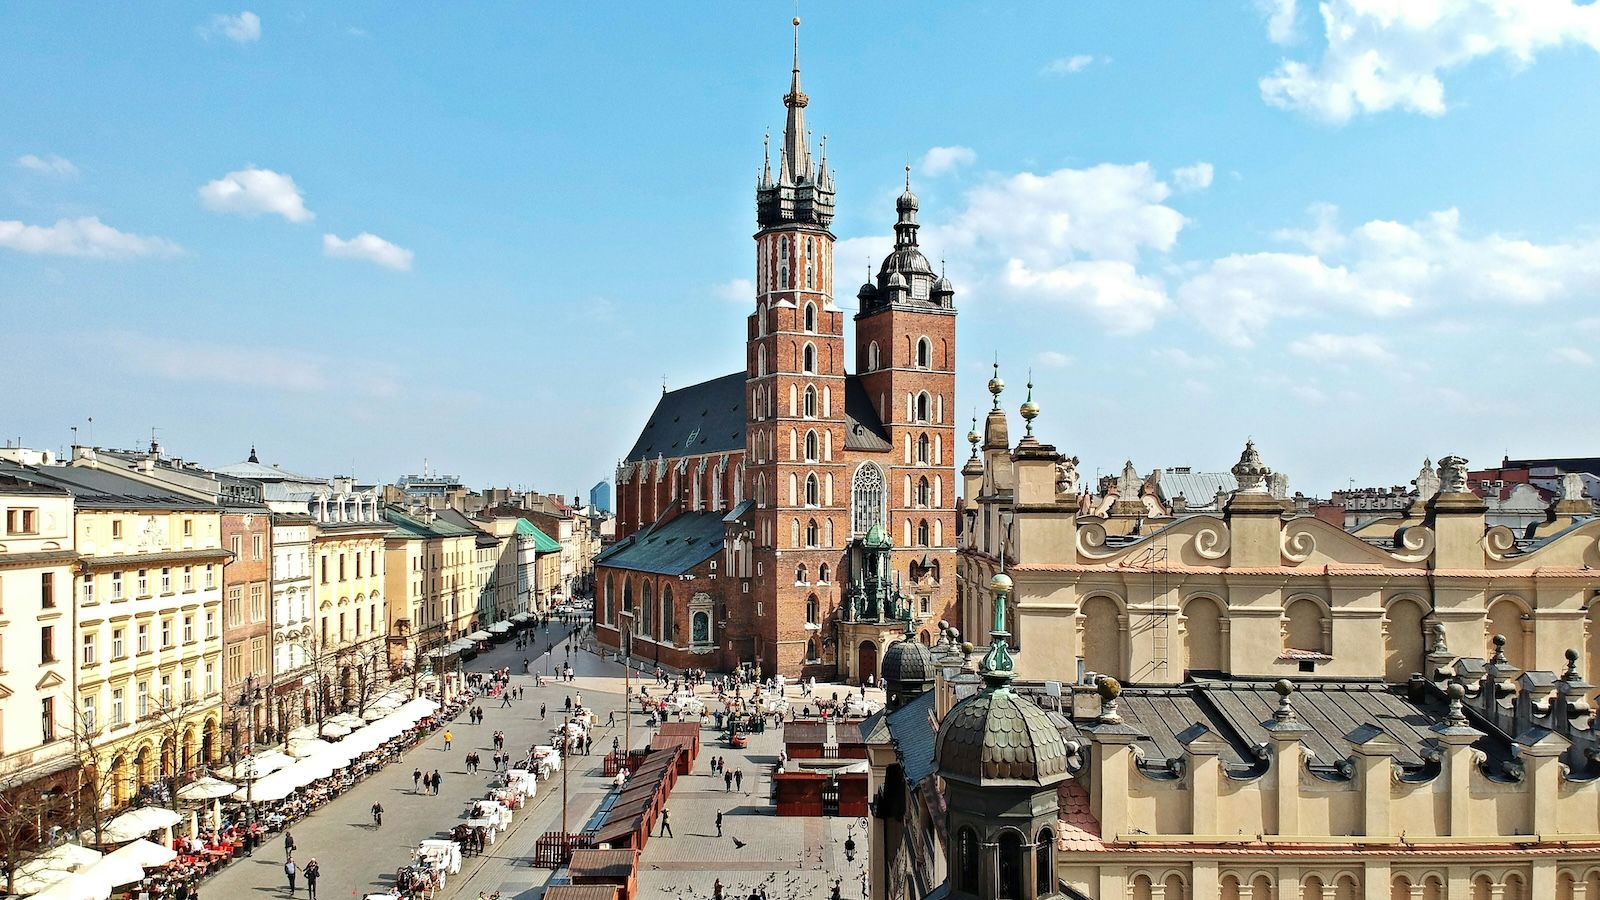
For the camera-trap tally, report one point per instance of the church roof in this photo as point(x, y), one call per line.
point(672, 548)
point(702, 418)
point(709, 417)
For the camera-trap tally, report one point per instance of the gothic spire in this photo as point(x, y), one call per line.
point(795, 139)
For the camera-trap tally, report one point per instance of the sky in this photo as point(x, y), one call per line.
point(364, 237)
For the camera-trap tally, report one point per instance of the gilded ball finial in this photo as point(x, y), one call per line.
point(797, 20)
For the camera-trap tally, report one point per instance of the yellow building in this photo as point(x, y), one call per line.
point(430, 565)
point(147, 647)
point(347, 642)
point(1247, 703)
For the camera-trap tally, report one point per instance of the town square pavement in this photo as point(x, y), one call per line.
point(792, 857)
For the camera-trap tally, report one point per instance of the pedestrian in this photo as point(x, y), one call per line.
point(312, 873)
point(448, 737)
point(666, 824)
point(469, 763)
point(541, 713)
point(569, 703)
point(719, 823)
point(727, 780)
point(377, 814)
point(290, 870)
point(436, 781)
point(611, 721)
point(288, 845)
point(505, 699)
point(738, 778)
point(416, 780)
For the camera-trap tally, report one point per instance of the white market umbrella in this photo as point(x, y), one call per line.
point(304, 732)
point(335, 730)
point(38, 880)
point(82, 886)
point(300, 748)
point(114, 870)
point(500, 627)
point(66, 859)
point(145, 854)
point(206, 789)
point(276, 786)
point(478, 636)
point(139, 822)
point(348, 720)
point(364, 741)
point(374, 713)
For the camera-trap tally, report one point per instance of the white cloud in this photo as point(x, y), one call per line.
point(368, 247)
point(1192, 178)
point(1342, 348)
point(86, 237)
point(1573, 356)
point(285, 369)
point(941, 160)
point(1280, 19)
point(856, 257)
point(1068, 65)
point(47, 165)
point(737, 290)
point(244, 28)
point(1183, 359)
point(1109, 291)
point(1389, 54)
point(1384, 268)
point(1052, 359)
point(253, 191)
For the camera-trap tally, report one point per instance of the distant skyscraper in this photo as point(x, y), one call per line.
point(600, 497)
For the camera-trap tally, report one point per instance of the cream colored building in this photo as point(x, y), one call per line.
point(147, 646)
point(346, 643)
point(430, 564)
point(1250, 703)
point(37, 561)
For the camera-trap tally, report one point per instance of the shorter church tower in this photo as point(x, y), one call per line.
point(1001, 759)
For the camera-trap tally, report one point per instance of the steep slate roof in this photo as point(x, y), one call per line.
point(460, 520)
point(709, 417)
point(410, 526)
point(105, 488)
point(863, 430)
point(670, 549)
point(914, 737)
point(542, 543)
point(703, 418)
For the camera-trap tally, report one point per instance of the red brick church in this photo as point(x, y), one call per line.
point(793, 515)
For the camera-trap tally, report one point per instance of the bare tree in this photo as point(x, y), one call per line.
point(95, 776)
point(322, 664)
point(171, 718)
point(25, 812)
point(365, 658)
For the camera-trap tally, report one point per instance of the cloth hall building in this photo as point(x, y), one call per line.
point(792, 514)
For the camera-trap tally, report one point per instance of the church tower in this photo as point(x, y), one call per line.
point(795, 395)
point(905, 354)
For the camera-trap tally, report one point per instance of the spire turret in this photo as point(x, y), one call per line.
point(801, 194)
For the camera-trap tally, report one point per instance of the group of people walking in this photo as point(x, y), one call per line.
point(310, 872)
point(425, 781)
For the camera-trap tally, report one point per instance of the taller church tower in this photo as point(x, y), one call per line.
point(795, 394)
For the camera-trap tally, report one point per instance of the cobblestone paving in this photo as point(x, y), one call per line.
point(794, 858)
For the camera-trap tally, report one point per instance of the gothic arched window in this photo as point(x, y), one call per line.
point(644, 623)
point(872, 356)
point(811, 268)
point(811, 313)
point(922, 449)
point(811, 490)
point(924, 353)
point(808, 360)
point(866, 498)
point(668, 625)
point(800, 574)
point(822, 574)
point(812, 609)
point(923, 493)
point(761, 360)
point(922, 407)
point(811, 402)
point(812, 534)
point(922, 533)
point(783, 263)
point(811, 446)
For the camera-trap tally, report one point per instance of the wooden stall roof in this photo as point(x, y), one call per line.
point(603, 863)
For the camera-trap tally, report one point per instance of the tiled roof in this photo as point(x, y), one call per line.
point(602, 863)
point(911, 728)
point(1000, 736)
point(542, 543)
point(670, 549)
point(863, 430)
point(93, 488)
point(1077, 827)
point(707, 417)
point(581, 892)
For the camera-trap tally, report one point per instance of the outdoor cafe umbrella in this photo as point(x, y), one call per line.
point(144, 853)
point(52, 866)
point(335, 730)
point(114, 870)
point(478, 636)
point(82, 886)
point(257, 765)
point(206, 789)
point(348, 720)
point(300, 748)
point(139, 822)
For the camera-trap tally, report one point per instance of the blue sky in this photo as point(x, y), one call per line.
point(363, 235)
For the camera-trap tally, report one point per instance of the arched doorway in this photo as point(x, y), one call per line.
point(866, 661)
point(208, 742)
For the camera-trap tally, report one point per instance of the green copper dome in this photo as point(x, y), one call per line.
point(876, 538)
point(997, 737)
